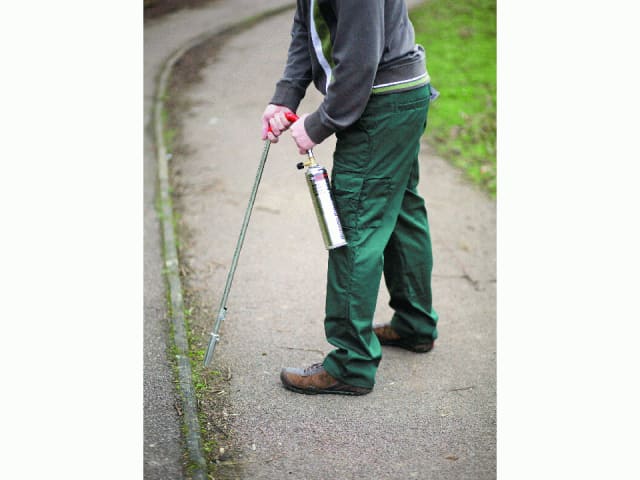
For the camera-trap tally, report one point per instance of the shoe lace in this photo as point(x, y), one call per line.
point(313, 367)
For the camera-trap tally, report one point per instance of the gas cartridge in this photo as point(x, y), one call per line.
point(320, 190)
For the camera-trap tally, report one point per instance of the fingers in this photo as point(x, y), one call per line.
point(279, 123)
point(274, 122)
point(300, 136)
point(272, 138)
point(266, 116)
point(274, 128)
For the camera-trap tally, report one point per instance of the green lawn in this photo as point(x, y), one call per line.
point(460, 39)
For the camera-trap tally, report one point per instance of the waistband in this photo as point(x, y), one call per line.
point(401, 85)
point(415, 97)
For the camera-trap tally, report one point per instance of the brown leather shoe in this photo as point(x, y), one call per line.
point(315, 379)
point(388, 336)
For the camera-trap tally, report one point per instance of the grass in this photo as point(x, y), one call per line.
point(201, 388)
point(460, 39)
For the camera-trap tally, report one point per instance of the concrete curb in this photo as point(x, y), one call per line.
point(176, 304)
point(198, 463)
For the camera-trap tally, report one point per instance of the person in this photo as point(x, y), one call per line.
point(361, 55)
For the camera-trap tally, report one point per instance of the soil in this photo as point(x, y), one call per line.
point(158, 8)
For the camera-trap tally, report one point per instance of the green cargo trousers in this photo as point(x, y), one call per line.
point(374, 183)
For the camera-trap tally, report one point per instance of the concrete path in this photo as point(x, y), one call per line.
point(163, 446)
point(430, 416)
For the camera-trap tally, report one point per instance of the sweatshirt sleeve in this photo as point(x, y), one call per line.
point(357, 49)
point(291, 88)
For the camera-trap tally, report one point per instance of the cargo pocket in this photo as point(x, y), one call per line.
point(346, 194)
point(375, 197)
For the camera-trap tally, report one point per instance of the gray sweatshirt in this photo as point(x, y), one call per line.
point(350, 49)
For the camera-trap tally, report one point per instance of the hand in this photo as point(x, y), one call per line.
point(274, 117)
point(300, 136)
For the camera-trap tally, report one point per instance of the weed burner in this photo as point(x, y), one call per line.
point(318, 182)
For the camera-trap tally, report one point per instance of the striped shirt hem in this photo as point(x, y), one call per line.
point(402, 84)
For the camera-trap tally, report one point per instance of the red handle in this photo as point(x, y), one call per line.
point(292, 117)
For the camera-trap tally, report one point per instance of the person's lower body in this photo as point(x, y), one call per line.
point(374, 181)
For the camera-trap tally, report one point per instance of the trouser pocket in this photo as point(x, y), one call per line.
point(361, 203)
point(346, 193)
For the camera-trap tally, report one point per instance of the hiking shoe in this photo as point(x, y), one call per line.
point(315, 380)
point(388, 336)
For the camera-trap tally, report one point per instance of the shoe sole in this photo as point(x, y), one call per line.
point(316, 391)
point(421, 348)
